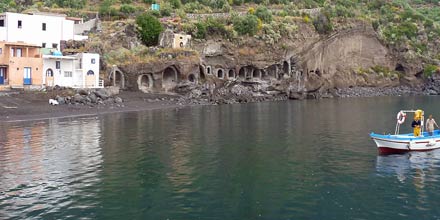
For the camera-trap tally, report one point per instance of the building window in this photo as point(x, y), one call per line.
point(90, 73)
point(44, 26)
point(43, 45)
point(58, 64)
point(19, 24)
point(67, 73)
point(93, 61)
point(2, 23)
point(49, 72)
point(54, 45)
point(18, 52)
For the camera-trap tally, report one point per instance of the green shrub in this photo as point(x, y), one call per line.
point(192, 7)
point(246, 24)
point(200, 30)
point(175, 3)
point(429, 70)
point(166, 9)
point(148, 28)
point(127, 9)
point(264, 14)
point(126, 1)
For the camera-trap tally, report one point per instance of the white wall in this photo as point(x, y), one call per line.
point(57, 29)
point(58, 74)
point(87, 64)
point(71, 63)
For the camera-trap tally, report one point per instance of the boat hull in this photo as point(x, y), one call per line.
point(389, 144)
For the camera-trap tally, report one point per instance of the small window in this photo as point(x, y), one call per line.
point(54, 45)
point(93, 61)
point(18, 52)
point(58, 64)
point(20, 24)
point(2, 23)
point(67, 73)
point(43, 45)
point(49, 72)
point(90, 73)
point(44, 26)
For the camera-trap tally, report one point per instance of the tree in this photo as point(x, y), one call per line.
point(323, 24)
point(148, 28)
point(246, 24)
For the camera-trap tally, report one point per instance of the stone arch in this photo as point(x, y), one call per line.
point(242, 73)
point(192, 78)
point(256, 73)
point(272, 71)
point(265, 74)
point(220, 73)
point(170, 78)
point(231, 73)
point(119, 79)
point(145, 82)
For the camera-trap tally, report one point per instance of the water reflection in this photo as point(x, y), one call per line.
point(39, 167)
point(405, 165)
point(415, 169)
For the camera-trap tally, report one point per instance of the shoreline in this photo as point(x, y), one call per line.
point(34, 106)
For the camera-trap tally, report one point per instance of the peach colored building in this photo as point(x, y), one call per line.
point(21, 65)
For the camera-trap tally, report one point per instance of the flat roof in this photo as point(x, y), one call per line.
point(74, 18)
point(20, 44)
point(58, 57)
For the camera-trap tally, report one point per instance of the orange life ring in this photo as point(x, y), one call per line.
point(401, 117)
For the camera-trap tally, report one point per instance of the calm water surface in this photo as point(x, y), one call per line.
point(284, 160)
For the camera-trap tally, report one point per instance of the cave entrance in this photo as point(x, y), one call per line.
point(231, 73)
point(242, 73)
point(192, 78)
point(145, 82)
point(256, 73)
point(202, 73)
point(220, 73)
point(286, 68)
point(399, 68)
point(169, 78)
point(118, 79)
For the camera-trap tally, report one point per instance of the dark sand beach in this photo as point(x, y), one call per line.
point(26, 106)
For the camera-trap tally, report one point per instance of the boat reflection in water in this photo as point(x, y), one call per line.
point(409, 165)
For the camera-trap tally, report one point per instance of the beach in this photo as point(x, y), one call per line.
point(27, 106)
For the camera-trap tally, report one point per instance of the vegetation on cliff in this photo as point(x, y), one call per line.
point(409, 27)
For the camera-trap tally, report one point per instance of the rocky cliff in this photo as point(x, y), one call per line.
point(306, 66)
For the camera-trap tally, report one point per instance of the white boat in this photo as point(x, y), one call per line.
point(399, 143)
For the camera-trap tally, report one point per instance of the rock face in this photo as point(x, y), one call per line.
point(331, 61)
point(348, 63)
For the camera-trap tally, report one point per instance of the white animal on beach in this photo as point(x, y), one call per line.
point(53, 102)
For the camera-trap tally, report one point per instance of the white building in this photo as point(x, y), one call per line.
point(75, 71)
point(45, 30)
